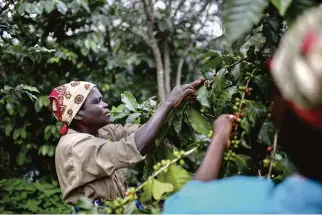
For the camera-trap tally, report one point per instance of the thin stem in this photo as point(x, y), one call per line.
point(272, 156)
point(165, 167)
point(159, 171)
point(242, 98)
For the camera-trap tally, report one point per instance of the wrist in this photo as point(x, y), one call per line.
point(221, 138)
point(167, 105)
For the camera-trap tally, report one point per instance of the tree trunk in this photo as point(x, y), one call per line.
point(148, 9)
point(167, 68)
point(179, 71)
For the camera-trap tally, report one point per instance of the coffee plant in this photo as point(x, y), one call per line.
point(238, 83)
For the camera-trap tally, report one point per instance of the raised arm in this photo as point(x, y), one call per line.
point(146, 136)
point(210, 167)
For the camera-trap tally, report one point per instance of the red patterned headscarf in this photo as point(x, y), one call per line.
point(67, 99)
point(297, 67)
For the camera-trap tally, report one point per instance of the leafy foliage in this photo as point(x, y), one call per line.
point(19, 196)
point(236, 21)
point(47, 43)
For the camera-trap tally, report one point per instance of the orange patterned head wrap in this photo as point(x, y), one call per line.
point(67, 99)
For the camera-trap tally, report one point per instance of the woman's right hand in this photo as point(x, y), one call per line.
point(223, 126)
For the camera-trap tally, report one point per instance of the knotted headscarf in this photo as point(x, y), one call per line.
point(297, 67)
point(67, 99)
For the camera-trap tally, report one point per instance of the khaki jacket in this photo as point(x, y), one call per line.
point(95, 167)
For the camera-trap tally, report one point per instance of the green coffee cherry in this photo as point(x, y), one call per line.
point(210, 133)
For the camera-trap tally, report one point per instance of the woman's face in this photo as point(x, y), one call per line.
point(94, 112)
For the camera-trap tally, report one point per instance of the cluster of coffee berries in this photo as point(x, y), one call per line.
point(230, 155)
point(249, 76)
point(237, 103)
point(163, 163)
point(235, 142)
point(117, 206)
point(131, 193)
point(267, 161)
point(179, 154)
point(247, 90)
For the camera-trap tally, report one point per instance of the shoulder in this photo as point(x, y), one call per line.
point(72, 138)
point(231, 195)
point(118, 131)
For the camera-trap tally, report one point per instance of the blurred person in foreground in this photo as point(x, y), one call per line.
point(92, 155)
point(296, 70)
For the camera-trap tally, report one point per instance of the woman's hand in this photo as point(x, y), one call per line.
point(184, 92)
point(147, 134)
point(223, 126)
point(210, 167)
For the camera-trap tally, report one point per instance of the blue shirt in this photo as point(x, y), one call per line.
point(241, 194)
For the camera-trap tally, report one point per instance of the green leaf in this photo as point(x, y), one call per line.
point(23, 133)
point(160, 188)
point(177, 176)
point(281, 5)
point(8, 128)
point(16, 134)
point(261, 82)
point(31, 96)
point(129, 100)
point(219, 84)
point(28, 88)
point(61, 7)
point(198, 122)
point(235, 72)
point(20, 159)
point(84, 4)
point(211, 53)
point(147, 191)
point(239, 16)
point(130, 208)
point(241, 162)
point(44, 149)
point(255, 111)
point(132, 117)
point(118, 116)
point(213, 64)
point(225, 96)
point(51, 150)
point(245, 125)
point(177, 125)
point(93, 46)
point(49, 6)
point(118, 109)
point(85, 203)
point(267, 132)
point(244, 144)
point(162, 24)
point(202, 96)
